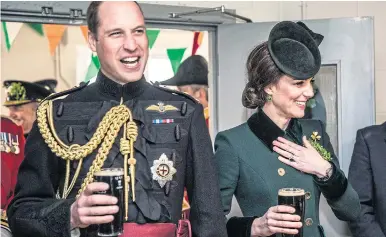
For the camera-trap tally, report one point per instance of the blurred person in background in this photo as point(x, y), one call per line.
point(12, 152)
point(23, 99)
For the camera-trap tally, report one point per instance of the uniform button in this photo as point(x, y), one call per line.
point(309, 222)
point(281, 171)
point(60, 109)
point(308, 195)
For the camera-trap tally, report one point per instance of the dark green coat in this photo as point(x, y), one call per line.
point(250, 170)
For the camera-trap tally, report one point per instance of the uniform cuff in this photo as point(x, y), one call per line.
point(240, 226)
point(335, 186)
point(57, 218)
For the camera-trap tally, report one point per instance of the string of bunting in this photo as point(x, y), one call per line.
point(54, 34)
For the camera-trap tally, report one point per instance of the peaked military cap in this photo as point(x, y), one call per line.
point(22, 92)
point(193, 70)
point(294, 49)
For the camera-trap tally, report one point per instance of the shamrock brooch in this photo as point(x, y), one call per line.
point(315, 137)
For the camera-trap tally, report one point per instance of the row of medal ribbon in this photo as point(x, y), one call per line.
point(9, 143)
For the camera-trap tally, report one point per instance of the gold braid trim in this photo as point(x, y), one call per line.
point(75, 151)
point(127, 147)
point(107, 131)
point(121, 117)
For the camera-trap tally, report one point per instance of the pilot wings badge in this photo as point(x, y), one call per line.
point(163, 170)
point(161, 108)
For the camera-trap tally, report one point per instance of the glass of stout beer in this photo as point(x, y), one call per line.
point(114, 178)
point(294, 197)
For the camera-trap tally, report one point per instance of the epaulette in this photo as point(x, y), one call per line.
point(66, 92)
point(157, 84)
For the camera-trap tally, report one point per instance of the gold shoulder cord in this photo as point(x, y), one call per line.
point(107, 132)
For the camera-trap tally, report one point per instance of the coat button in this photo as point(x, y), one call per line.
point(167, 188)
point(309, 222)
point(177, 132)
point(60, 109)
point(184, 108)
point(70, 134)
point(308, 195)
point(281, 171)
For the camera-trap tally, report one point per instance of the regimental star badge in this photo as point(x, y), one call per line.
point(163, 170)
point(161, 107)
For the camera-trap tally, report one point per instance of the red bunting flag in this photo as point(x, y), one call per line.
point(197, 40)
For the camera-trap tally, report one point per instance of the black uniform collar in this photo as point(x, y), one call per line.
point(127, 91)
point(267, 131)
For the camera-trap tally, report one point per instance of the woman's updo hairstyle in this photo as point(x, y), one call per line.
point(262, 71)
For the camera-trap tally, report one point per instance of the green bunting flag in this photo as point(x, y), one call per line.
point(95, 60)
point(37, 27)
point(10, 29)
point(93, 68)
point(175, 57)
point(152, 36)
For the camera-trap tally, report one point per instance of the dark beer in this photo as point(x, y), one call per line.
point(113, 177)
point(294, 197)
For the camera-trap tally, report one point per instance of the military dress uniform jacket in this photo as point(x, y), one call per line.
point(168, 123)
point(249, 169)
point(12, 154)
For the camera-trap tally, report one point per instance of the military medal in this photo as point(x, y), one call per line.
point(163, 170)
point(7, 146)
point(15, 145)
point(2, 142)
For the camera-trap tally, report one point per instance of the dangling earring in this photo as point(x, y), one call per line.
point(269, 98)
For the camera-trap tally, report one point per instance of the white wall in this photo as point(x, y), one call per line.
point(294, 10)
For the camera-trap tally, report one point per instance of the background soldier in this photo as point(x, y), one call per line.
point(23, 99)
point(192, 79)
point(12, 152)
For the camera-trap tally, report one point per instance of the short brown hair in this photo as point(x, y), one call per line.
point(93, 18)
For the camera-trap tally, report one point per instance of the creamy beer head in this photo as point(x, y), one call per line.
point(109, 172)
point(291, 192)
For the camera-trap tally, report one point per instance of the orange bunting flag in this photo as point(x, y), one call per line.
point(84, 30)
point(197, 40)
point(54, 35)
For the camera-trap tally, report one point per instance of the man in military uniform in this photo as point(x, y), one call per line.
point(192, 79)
point(12, 153)
point(158, 136)
point(23, 99)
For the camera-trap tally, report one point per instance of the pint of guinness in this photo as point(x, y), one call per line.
point(114, 177)
point(294, 197)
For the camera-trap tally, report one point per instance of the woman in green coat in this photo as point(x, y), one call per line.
point(276, 149)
